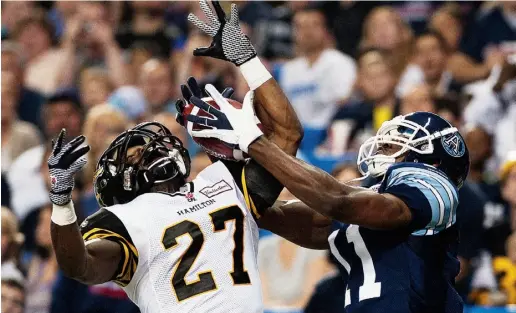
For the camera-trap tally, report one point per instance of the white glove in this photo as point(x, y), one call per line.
point(231, 125)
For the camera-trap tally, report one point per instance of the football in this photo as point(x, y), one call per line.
point(214, 146)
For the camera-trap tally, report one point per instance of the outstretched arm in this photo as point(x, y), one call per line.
point(97, 262)
point(328, 196)
point(296, 222)
point(280, 122)
point(93, 264)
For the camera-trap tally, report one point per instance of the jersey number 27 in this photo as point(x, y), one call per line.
point(205, 281)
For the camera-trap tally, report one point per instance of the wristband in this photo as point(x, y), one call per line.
point(255, 73)
point(63, 215)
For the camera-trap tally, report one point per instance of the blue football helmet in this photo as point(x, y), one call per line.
point(423, 137)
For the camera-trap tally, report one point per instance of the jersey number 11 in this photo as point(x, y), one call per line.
point(205, 281)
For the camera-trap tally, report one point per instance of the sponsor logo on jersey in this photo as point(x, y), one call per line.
point(190, 197)
point(453, 145)
point(216, 189)
point(196, 207)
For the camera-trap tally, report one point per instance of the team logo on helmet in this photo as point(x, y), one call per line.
point(453, 145)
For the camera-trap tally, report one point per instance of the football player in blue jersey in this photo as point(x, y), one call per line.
point(399, 238)
point(399, 241)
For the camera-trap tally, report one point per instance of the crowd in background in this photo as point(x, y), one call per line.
point(97, 68)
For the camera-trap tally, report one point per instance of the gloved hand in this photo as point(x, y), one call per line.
point(188, 91)
point(229, 42)
point(63, 164)
point(230, 125)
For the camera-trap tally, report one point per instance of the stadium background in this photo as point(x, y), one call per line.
point(99, 67)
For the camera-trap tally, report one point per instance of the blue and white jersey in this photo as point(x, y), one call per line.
point(431, 196)
point(408, 270)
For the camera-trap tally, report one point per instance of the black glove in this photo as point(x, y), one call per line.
point(192, 89)
point(229, 42)
point(63, 164)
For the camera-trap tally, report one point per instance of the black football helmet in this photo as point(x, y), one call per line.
point(139, 158)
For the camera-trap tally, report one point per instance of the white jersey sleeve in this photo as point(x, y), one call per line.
point(197, 248)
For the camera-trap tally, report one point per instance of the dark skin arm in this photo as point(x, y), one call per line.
point(297, 223)
point(326, 195)
point(92, 264)
point(278, 117)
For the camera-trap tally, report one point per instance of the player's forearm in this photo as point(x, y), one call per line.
point(69, 247)
point(326, 195)
point(311, 185)
point(296, 222)
point(274, 109)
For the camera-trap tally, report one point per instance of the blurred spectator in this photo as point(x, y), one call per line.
point(363, 116)
point(494, 284)
point(28, 102)
point(61, 12)
point(12, 241)
point(418, 99)
point(12, 13)
point(157, 83)
point(199, 162)
point(328, 296)
point(252, 12)
point(448, 21)
point(89, 41)
point(42, 267)
point(289, 272)
point(384, 29)
point(146, 25)
point(431, 55)
point(130, 101)
point(487, 43)
point(346, 172)
point(62, 110)
point(94, 86)
point(70, 295)
point(6, 191)
point(319, 79)
point(169, 120)
point(347, 19)
point(101, 126)
point(273, 37)
point(27, 172)
point(35, 35)
point(13, 296)
point(505, 138)
point(17, 136)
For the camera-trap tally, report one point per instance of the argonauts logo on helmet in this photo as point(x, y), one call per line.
point(453, 145)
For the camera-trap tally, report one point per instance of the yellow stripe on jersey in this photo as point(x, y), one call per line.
point(248, 199)
point(129, 253)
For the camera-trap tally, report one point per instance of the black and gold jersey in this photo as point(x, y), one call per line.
point(106, 225)
point(259, 187)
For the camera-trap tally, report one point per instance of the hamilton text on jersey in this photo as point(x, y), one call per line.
point(196, 207)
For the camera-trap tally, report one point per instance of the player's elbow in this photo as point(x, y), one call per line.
point(298, 132)
point(73, 272)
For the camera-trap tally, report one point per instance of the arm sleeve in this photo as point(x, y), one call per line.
point(259, 187)
point(107, 226)
point(431, 197)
